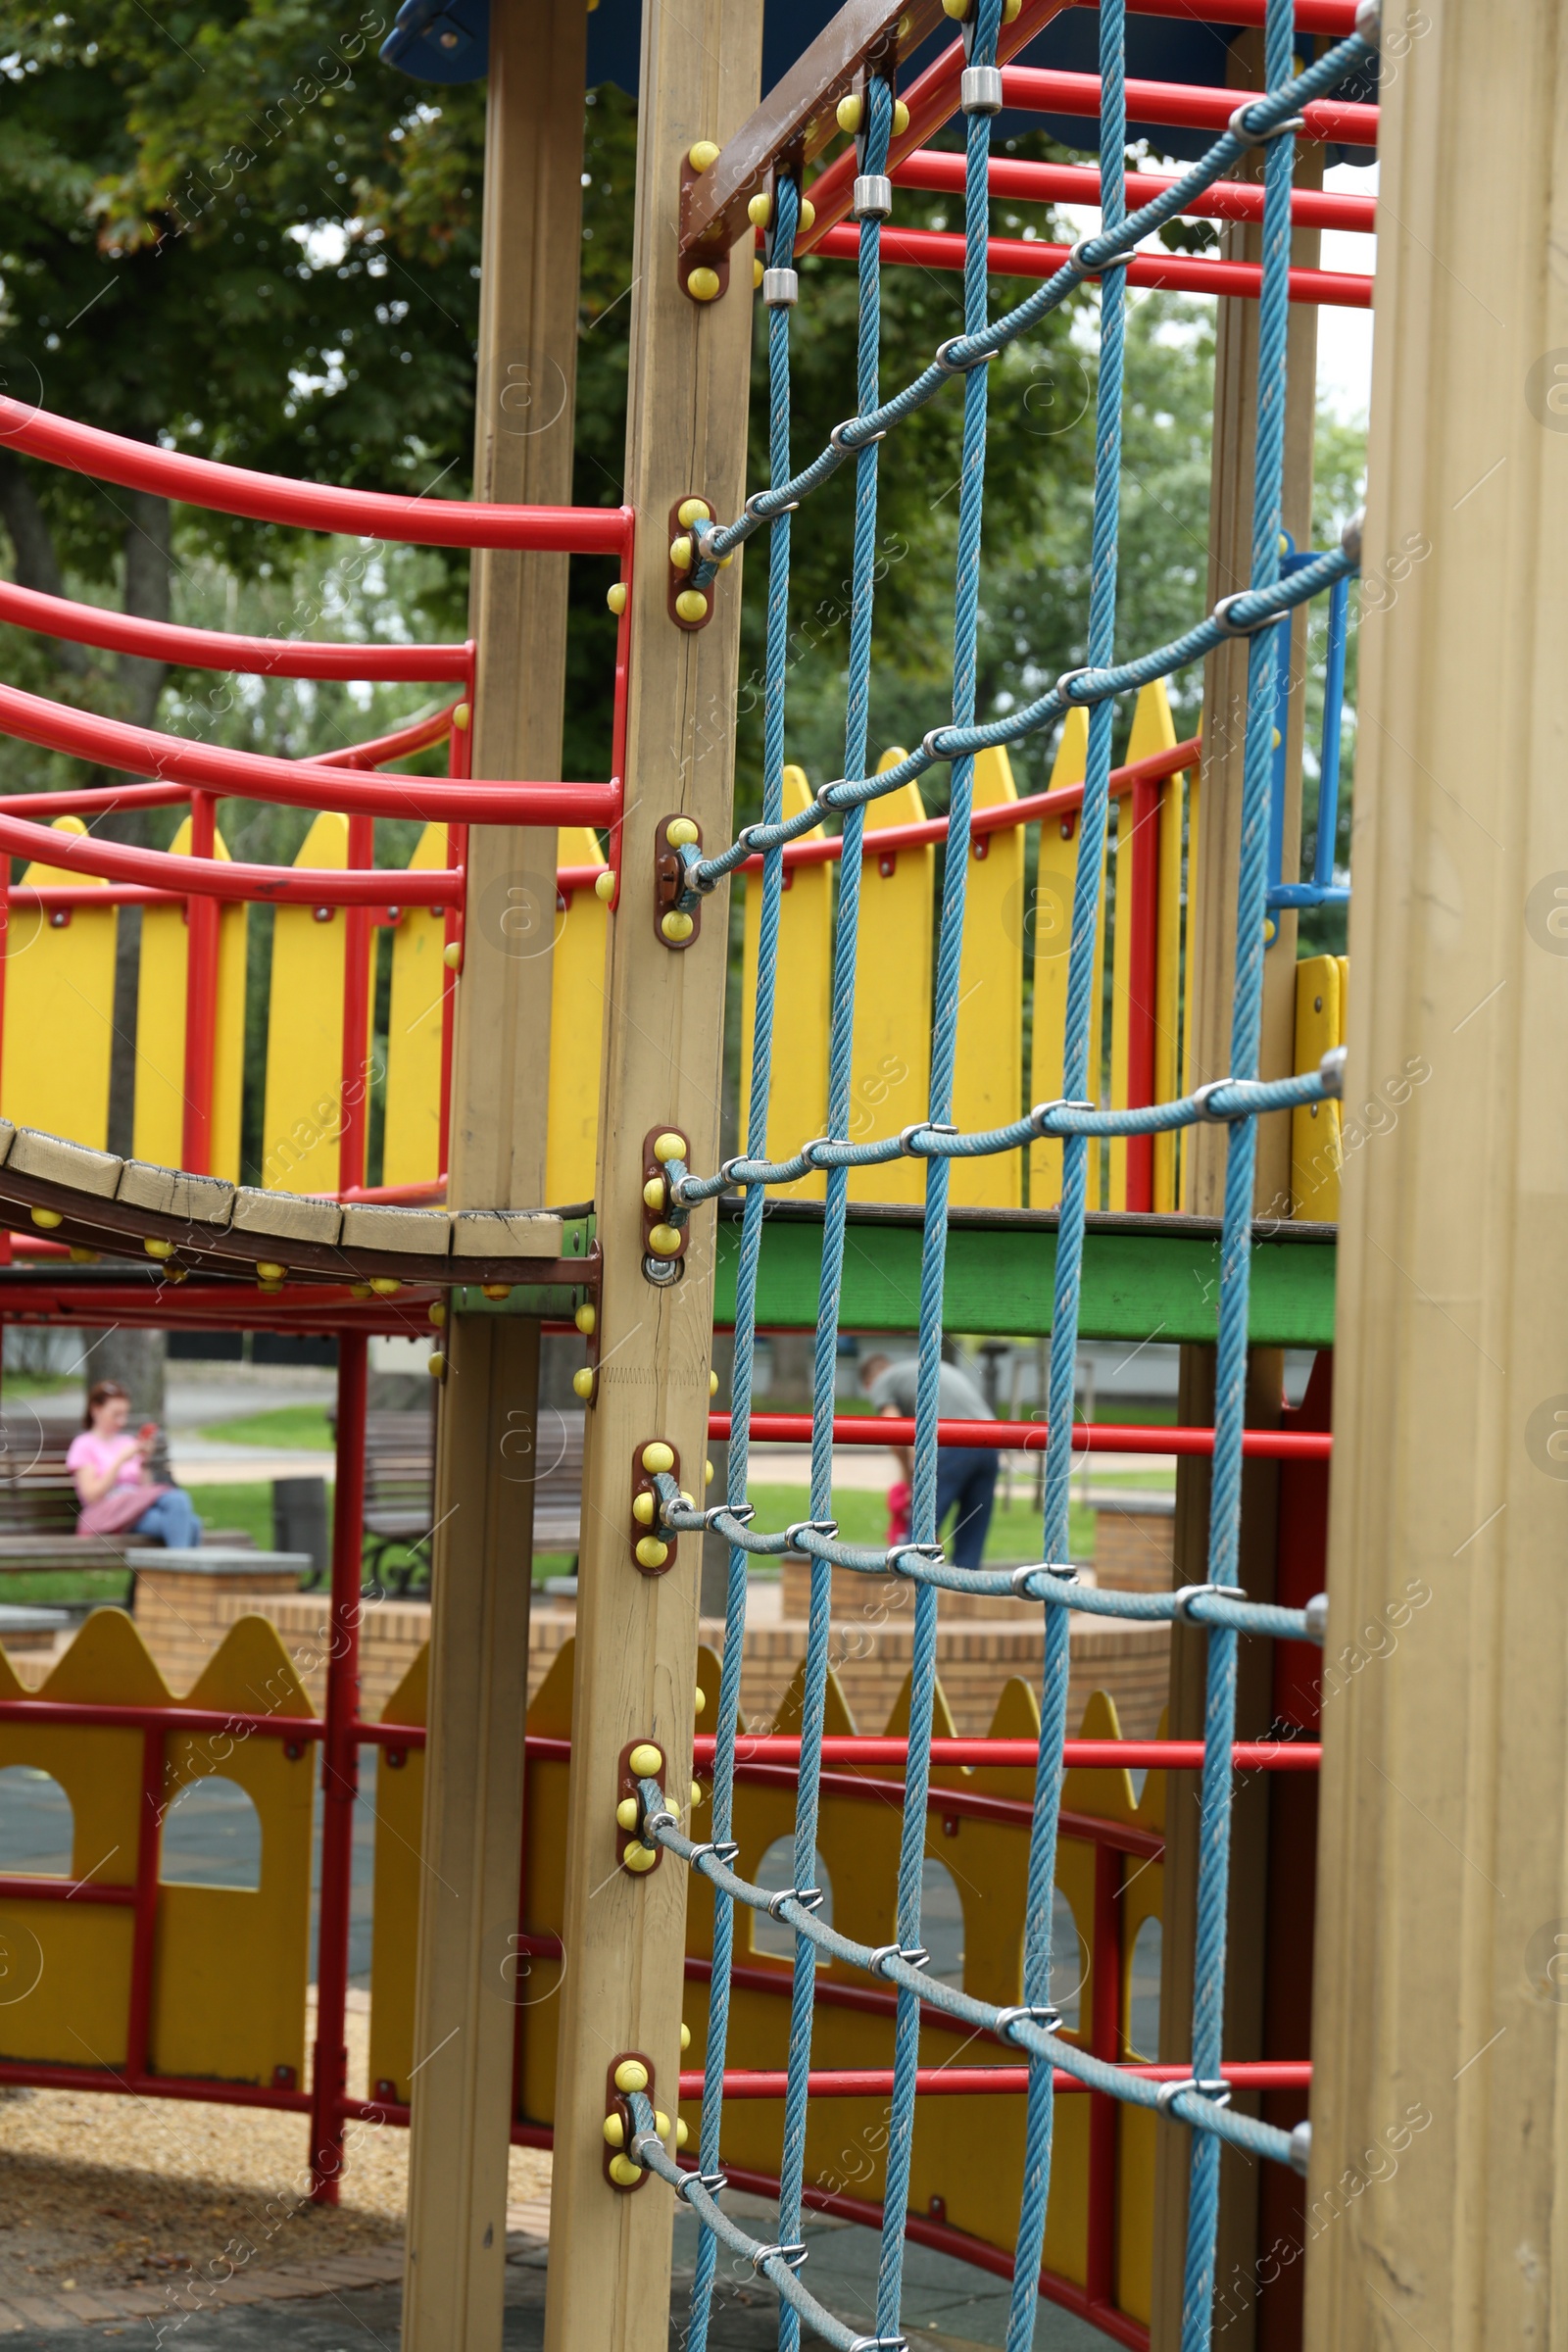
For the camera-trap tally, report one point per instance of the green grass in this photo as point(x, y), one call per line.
point(862, 1516)
point(286, 1428)
point(248, 1509)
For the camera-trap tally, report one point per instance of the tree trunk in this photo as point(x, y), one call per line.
point(37, 565)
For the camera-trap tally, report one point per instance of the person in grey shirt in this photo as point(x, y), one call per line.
point(966, 1475)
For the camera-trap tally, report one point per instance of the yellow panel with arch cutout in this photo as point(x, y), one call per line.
point(60, 1009)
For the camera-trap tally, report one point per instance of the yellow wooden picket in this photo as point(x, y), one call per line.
point(303, 1112)
point(159, 1118)
point(988, 1076)
point(1055, 880)
point(1152, 731)
point(1168, 992)
point(891, 1060)
point(60, 1010)
point(1315, 1128)
point(797, 1095)
point(576, 1028)
point(411, 1150)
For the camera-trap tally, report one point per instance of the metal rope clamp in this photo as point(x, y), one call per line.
point(1241, 129)
point(1064, 685)
point(906, 1136)
point(1219, 2092)
point(1227, 627)
point(711, 2182)
point(1331, 1070)
point(1020, 1576)
point(1078, 260)
point(1186, 1595)
point(1043, 1111)
point(980, 91)
point(809, 1898)
point(848, 449)
point(793, 2255)
point(897, 1553)
point(741, 1512)
point(809, 1152)
point(722, 1849)
point(730, 1169)
point(943, 358)
point(1041, 2014)
point(759, 511)
point(653, 1823)
point(873, 197)
point(914, 1955)
point(879, 2343)
point(1204, 1104)
point(827, 1529)
point(928, 743)
point(781, 288)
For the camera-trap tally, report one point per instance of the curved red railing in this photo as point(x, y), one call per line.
point(217, 648)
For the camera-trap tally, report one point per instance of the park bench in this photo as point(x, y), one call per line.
point(400, 1488)
point(38, 1506)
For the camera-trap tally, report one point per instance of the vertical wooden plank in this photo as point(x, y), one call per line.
point(411, 1147)
point(59, 1012)
point(576, 1028)
point(157, 1133)
point(988, 1083)
point(891, 1060)
point(1152, 731)
point(796, 1101)
point(1055, 880)
point(1444, 1890)
point(303, 1105)
point(636, 1651)
point(1315, 1127)
point(455, 2268)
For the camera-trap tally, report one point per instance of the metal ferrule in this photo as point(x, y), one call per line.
point(873, 196)
point(980, 89)
point(781, 288)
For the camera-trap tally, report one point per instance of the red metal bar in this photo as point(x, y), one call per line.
point(353, 1103)
point(33, 1296)
point(1029, 1436)
point(340, 1774)
point(1183, 105)
point(5, 952)
point(1090, 1755)
point(1105, 2039)
point(297, 783)
point(941, 172)
point(459, 760)
point(976, 2082)
point(153, 2086)
point(1033, 257)
point(201, 1000)
point(29, 1888)
point(228, 879)
point(215, 648)
point(309, 505)
point(144, 1928)
point(957, 1804)
point(1142, 969)
point(401, 744)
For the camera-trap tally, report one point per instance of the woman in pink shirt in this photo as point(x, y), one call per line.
point(110, 1468)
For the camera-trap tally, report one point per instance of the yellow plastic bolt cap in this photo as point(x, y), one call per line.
point(266, 1271)
point(639, 1858)
point(654, 1192)
point(757, 275)
point(272, 1290)
point(676, 927)
point(176, 1273)
point(693, 510)
point(651, 1554)
point(615, 598)
point(682, 2136)
point(849, 113)
point(361, 1290)
point(901, 118)
point(385, 1286)
point(496, 1289)
point(685, 2035)
point(692, 605)
point(605, 886)
point(646, 1759)
point(631, 2074)
point(712, 1384)
point(461, 717)
point(661, 2124)
point(807, 214)
point(761, 208)
point(957, 9)
point(669, 1146)
point(83, 1257)
point(657, 1457)
point(585, 1319)
point(159, 1248)
point(437, 1366)
point(452, 955)
point(697, 1794)
point(582, 1383)
point(642, 1508)
point(699, 1700)
point(626, 1813)
point(664, 1241)
point(680, 552)
point(702, 156)
point(623, 2172)
point(681, 833)
point(615, 2131)
point(1009, 9)
point(707, 1474)
point(439, 1313)
point(703, 285)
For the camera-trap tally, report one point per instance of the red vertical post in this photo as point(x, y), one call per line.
point(459, 760)
point(340, 1774)
point(144, 1923)
point(1105, 2039)
point(1141, 986)
point(201, 998)
point(5, 950)
point(355, 1103)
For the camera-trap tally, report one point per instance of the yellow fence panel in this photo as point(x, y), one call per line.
point(576, 1028)
point(1055, 880)
point(988, 1079)
point(411, 1147)
point(797, 1097)
point(1315, 1127)
point(60, 1010)
point(160, 1114)
point(395, 1919)
point(304, 1101)
point(1168, 990)
point(1152, 731)
point(891, 1061)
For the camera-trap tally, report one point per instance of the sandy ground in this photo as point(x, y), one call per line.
point(102, 2193)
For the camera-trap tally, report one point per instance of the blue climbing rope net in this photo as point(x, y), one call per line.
point(1031, 2026)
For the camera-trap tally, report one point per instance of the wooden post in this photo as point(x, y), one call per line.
point(1211, 943)
point(610, 2255)
point(1440, 2126)
point(483, 1562)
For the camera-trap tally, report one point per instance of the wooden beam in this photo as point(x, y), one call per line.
point(636, 1646)
point(483, 1547)
point(1438, 2016)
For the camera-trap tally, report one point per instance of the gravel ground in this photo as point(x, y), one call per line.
point(103, 2191)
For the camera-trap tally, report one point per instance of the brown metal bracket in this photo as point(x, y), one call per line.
point(703, 252)
point(680, 583)
point(669, 882)
point(629, 1785)
point(589, 1319)
point(656, 1220)
point(645, 1529)
point(617, 2104)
